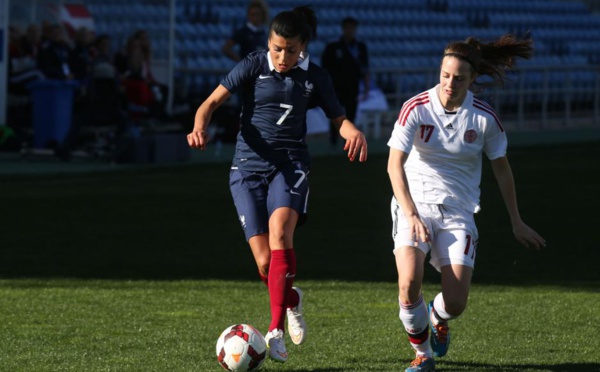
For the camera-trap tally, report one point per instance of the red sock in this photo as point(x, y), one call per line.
point(292, 296)
point(282, 271)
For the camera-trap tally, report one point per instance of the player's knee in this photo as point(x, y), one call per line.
point(409, 293)
point(455, 307)
point(279, 239)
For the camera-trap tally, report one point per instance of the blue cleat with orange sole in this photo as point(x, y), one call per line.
point(421, 364)
point(439, 337)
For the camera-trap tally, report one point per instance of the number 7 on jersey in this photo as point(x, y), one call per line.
point(288, 109)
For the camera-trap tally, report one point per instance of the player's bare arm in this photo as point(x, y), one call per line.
point(356, 142)
point(199, 136)
point(399, 183)
point(523, 233)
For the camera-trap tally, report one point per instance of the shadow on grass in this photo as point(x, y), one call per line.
point(315, 370)
point(563, 367)
point(173, 223)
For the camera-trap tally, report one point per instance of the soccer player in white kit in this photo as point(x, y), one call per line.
point(434, 167)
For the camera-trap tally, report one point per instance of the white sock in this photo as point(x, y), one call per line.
point(416, 323)
point(440, 310)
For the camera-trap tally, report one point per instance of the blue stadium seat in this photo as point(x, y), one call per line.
point(402, 33)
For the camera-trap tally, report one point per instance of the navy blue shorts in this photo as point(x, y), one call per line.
point(257, 194)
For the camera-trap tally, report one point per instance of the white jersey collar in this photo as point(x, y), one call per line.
point(437, 104)
point(303, 61)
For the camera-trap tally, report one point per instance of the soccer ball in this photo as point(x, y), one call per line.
point(241, 347)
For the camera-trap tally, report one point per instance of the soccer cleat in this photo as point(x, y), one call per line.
point(421, 364)
point(276, 345)
point(440, 336)
point(296, 323)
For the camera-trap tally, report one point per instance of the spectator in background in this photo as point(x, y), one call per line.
point(159, 90)
point(45, 28)
point(107, 101)
point(104, 80)
point(15, 33)
point(103, 66)
point(135, 60)
point(130, 62)
point(251, 37)
point(80, 58)
point(146, 48)
point(102, 103)
point(130, 65)
point(30, 42)
point(145, 95)
point(347, 62)
point(245, 40)
point(22, 63)
point(53, 59)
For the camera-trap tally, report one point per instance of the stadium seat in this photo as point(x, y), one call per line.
point(400, 33)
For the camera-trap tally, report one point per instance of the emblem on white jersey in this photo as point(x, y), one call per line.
point(308, 87)
point(449, 126)
point(470, 136)
point(243, 220)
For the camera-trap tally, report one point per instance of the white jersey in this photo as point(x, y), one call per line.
point(444, 165)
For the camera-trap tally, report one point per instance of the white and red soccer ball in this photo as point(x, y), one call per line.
point(240, 348)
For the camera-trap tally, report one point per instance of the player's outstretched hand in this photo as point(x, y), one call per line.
point(197, 139)
point(528, 237)
point(356, 144)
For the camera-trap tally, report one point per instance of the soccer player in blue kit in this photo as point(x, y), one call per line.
point(269, 172)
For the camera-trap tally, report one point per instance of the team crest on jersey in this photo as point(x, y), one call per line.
point(308, 87)
point(470, 136)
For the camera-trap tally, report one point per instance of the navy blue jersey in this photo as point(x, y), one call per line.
point(273, 118)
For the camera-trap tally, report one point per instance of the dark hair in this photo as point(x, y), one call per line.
point(492, 58)
point(262, 6)
point(349, 21)
point(301, 21)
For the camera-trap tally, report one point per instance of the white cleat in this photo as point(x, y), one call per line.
point(276, 345)
point(296, 323)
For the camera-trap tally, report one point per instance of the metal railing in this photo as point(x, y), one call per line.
point(533, 98)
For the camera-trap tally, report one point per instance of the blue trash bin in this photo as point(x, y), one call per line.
point(52, 111)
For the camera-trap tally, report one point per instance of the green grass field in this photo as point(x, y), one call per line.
point(141, 270)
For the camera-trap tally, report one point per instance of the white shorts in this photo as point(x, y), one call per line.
point(453, 234)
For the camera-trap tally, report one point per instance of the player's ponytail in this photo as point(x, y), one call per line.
point(301, 21)
point(493, 58)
